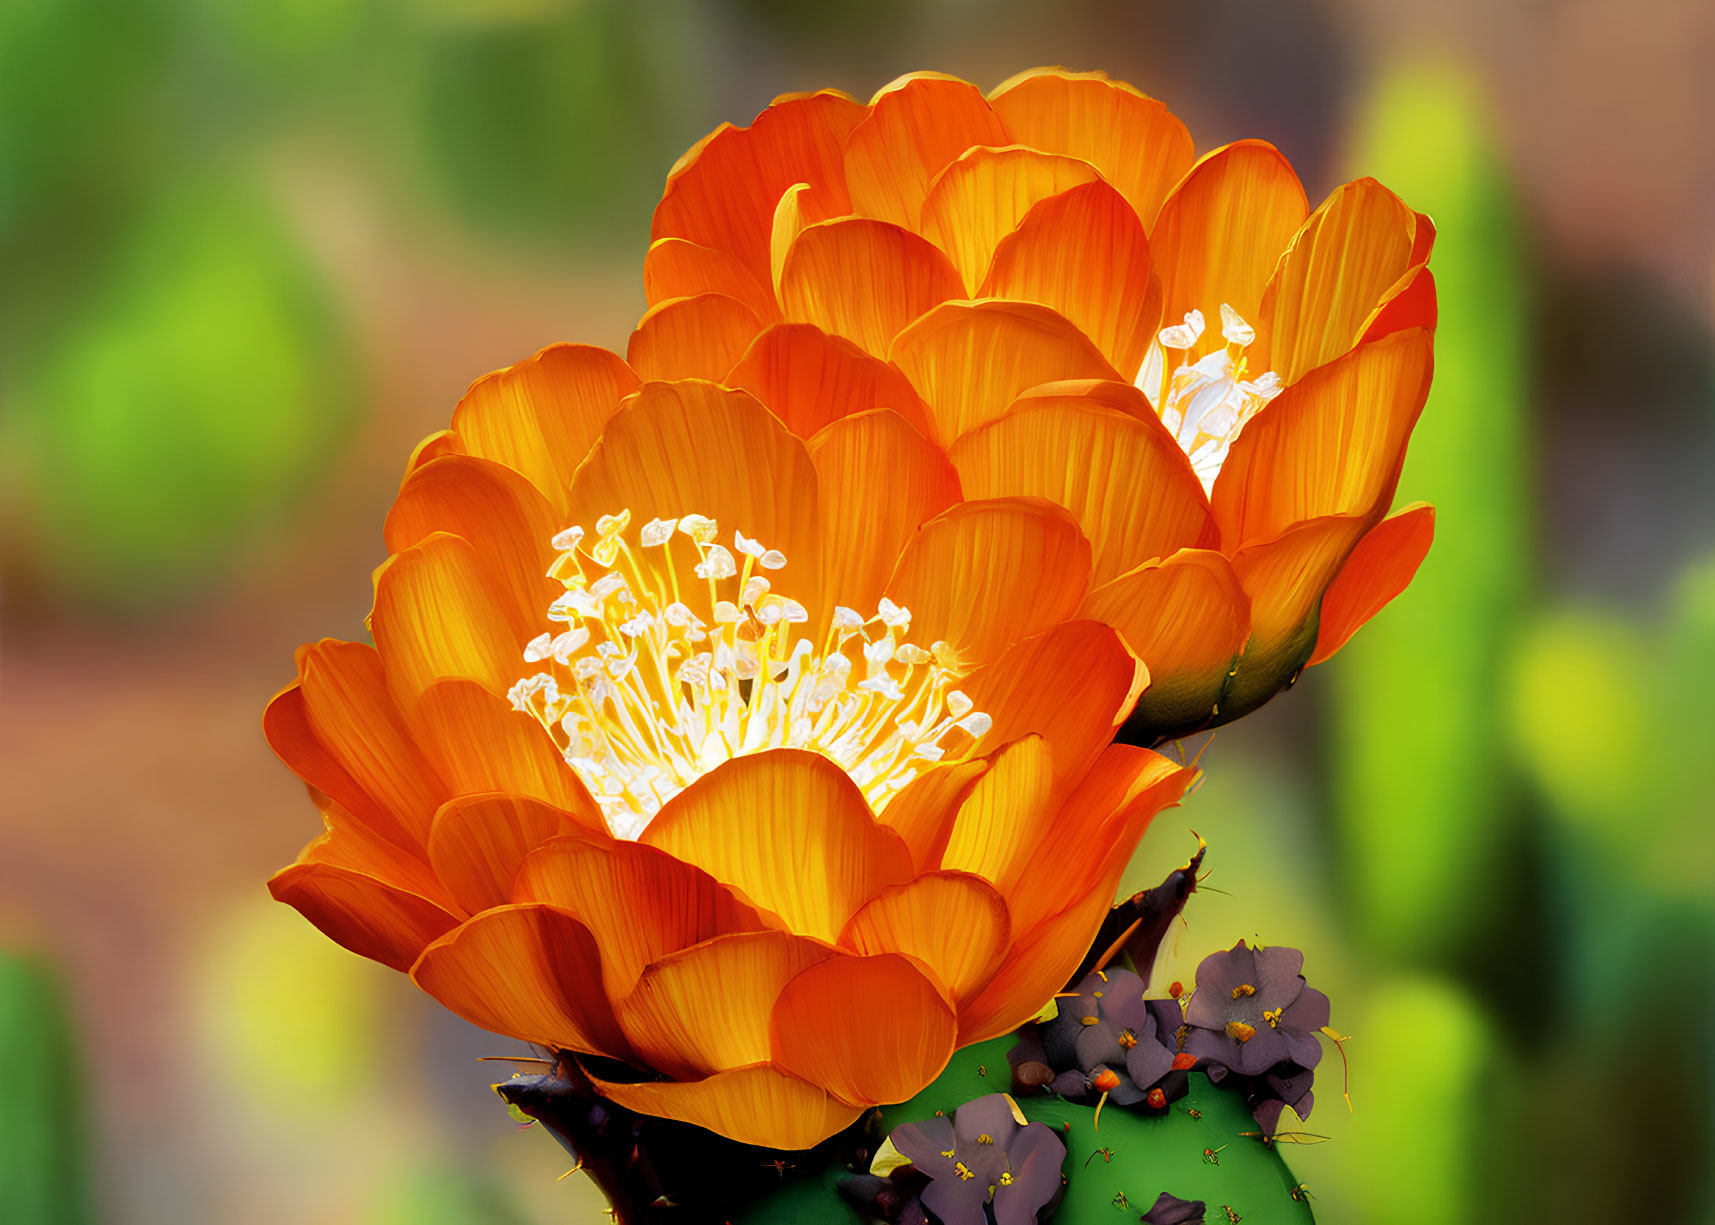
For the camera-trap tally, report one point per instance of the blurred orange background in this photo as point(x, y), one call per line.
point(254, 250)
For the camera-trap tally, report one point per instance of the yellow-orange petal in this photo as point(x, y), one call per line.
point(478, 842)
point(970, 360)
point(706, 1008)
point(724, 192)
point(542, 415)
point(692, 338)
point(1330, 444)
point(915, 127)
point(437, 617)
point(438, 445)
point(1124, 479)
point(697, 448)
point(1409, 303)
point(1084, 254)
point(759, 1105)
point(1340, 263)
point(1221, 231)
point(502, 515)
point(1380, 567)
point(880, 480)
point(480, 744)
point(870, 1030)
point(639, 902)
point(954, 923)
point(810, 379)
point(286, 724)
point(1100, 823)
point(1001, 825)
point(1285, 579)
point(987, 574)
point(361, 912)
point(790, 832)
point(864, 279)
point(1037, 966)
point(679, 268)
point(1131, 138)
point(983, 194)
point(923, 810)
point(1187, 617)
point(1072, 685)
point(351, 714)
point(529, 972)
point(348, 842)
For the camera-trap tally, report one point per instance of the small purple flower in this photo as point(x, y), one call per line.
point(1171, 1210)
point(1105, 1040)
point(983, 1156)
point(1252, 1009)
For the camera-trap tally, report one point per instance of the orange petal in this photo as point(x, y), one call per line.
point(480, 744)
point(954, 923)
point(1125, 480)
point(692, 338)
point(1285, 578)
point(436, 446)
point(1084, 254)
point(350, 712)
point(1422, 239)
point(436, 616)
point(286, 724)
point(1037, 966)
point(864, 280)
point(788, 830)
point(790, 220)
point(1000, 827)
point(970, 360)
point(1221, 231)
point(923, 810)
point(986, 574)
point(505, 518)
point(868, 1029)
point(880, 480)
point(810, 379)
point(479, 841)
point(1186, 617)
point(1356, 245)
point(982, 196)
point(696, 448)
point(724, 193)
point(541, 416)
point(1330, 444)
point(706, 1008)
point(1410, 303)
point(678, 268)
point(1072, 686)
point(758, 1105)
point(640, 903)
point(1100, 824)
point(361, 912)
point(350, 843)
point(915, 127)
point(1380, 567)
point(529, 972)
point(1132, 139)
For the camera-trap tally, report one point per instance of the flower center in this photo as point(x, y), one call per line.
point(1204, 404)
point(642, 697)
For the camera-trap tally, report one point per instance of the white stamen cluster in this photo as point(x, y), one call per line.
point(642, 696)
point(1205, 404)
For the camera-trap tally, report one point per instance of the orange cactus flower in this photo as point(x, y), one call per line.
point(1218, 383)
point(767, 764)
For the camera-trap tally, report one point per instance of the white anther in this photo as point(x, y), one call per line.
point(977, 725)
point(958, 705)
point(726, 612)
point(569, 644)
point(566, 541)
point(718, 564)
point(657, 532)
point(639, 624)
point(795, 614)
point(676, 614)
point(744, 544)
point(892, 614)
point(613, 525)
point(1183, 335)
point(847, 618)
point(1234, 330)
point(774, 559)
point(538, 648)
point(911, 653)
point(754, 589)
point(607, 585)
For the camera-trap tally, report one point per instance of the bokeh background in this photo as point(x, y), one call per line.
point(252, 250)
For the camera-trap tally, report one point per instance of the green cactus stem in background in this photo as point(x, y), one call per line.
point(43, 1158)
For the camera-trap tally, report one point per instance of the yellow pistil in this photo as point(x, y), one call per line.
point(642, 696)
point(1006, 1178)
point(1272, 1016)
point(964, 1171)
point(1204, 404)
point(1238, 1031)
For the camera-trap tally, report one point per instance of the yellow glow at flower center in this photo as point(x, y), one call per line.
point(1205, 403)
point(642, 697)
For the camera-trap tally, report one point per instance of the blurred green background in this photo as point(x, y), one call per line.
point(252, 250)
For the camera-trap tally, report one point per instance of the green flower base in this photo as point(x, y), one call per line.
point(1115, 1168)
